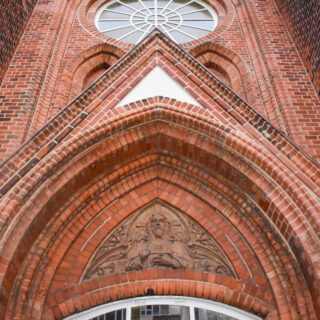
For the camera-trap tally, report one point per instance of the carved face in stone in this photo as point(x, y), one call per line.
point(158, 224)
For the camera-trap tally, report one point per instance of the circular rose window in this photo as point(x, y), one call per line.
point(131, 20)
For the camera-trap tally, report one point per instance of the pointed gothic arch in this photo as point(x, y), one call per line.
point(77, 75)
point(224, 62)
point(218, 162)
point(77, 180)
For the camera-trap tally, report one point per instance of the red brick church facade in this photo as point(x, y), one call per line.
point(236, 171)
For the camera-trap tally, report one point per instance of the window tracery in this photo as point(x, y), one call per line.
point(131, 20)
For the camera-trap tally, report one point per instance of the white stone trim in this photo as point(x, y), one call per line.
point(158, 83)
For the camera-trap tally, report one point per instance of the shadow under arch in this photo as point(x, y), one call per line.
point(81, 71)
point(230, 68)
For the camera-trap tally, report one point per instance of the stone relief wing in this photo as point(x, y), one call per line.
point(208, 254)
point(104, 262)
point(112, 248)
point(200, 237)
point(116, 239)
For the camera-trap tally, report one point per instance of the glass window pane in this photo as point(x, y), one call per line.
point(181, 37)
point(190, 7)
point(116, 34)
point(148, 3)
point(178, 3)
point(162, 3)
point(201, 24)
point(202, 314)
point(111, 316)
point(193, 15)
point(171, 25)
point(160, 312)
point(114, 315)
point(164, 309)
point(156, 310)
point(133, 37)
point(193, 32)
point(133, 3)
point(114, 15)
point(107, 25)
point(120, 7)
point(144, 28)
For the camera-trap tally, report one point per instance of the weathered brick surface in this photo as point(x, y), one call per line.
point(26, 73)
point(297, 104)
point(131, 189)
point(264, 67)
point(244, 181)
point(14, 15)
point(302, 18)
point(74, 197)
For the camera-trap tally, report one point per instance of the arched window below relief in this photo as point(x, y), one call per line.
point(164, 308)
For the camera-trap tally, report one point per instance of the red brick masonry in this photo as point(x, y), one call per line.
point(243, 164)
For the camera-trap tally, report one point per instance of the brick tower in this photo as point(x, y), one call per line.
point(160, 159)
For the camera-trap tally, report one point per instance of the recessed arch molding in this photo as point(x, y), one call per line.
point(107, 174)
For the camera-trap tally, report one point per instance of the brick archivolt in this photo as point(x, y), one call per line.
point(223, 165)
point(217, 57)
point(72, 79)
point(206, 170)
point(74, 231)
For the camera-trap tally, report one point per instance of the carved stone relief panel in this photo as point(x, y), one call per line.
point(158, 237)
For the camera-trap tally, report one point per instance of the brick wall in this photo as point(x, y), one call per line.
point(25, 75)
point(130, 175)
point(96, 164)
point(302, 18)
point(13, 17)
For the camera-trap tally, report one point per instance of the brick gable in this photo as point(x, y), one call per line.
point(222, 164)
